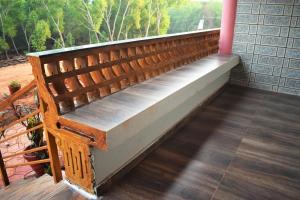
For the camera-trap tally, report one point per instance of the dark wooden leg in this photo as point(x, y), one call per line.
point(54, 159)
point(3, 172)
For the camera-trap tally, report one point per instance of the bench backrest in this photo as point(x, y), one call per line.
point(76, 76)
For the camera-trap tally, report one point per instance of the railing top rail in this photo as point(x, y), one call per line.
point(120, 42)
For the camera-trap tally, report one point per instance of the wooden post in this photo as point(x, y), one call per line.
point(54, 158)
point(4, 176)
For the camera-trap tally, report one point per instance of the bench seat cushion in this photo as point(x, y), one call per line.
point(137, 105)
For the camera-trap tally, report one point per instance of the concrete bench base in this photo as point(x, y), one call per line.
point(129, 139)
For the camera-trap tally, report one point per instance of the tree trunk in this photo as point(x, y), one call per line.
point(3, 35)
point(158, 20)
point(115, 20)
point(56, 26)
point(27, 41)
point(91, 22)
point(13, 42)
point(107, 20)
point(123, 18)
point(149, 19)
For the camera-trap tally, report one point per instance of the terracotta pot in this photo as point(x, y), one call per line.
point(37, 168)
point(12, 90)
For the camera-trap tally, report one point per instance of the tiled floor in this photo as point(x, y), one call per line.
point(13, 146)
point(244, 145)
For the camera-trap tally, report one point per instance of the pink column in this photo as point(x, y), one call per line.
point(227, 26)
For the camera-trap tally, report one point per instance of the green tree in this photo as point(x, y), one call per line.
point(70, 40)
point(3, 45)
point(93, 14)
point(214, 13)
point(132, 21)
point(28, 16)
point(48, 24)
point(156, 18)
point(74, 23)
point(185, 18)
point(55, 14)
point(40, 35)
point(7, 23)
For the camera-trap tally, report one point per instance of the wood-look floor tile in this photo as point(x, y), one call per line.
point(212, 143)
point(279, 114)
point(244, 185)
point(219, 120)
point(168, 175)
point(40, 188)
point(283, 99)
point(269, 152)
point(234, 105)
point(244, 145)
point(246, 92)
point(67, 193)
point(277, 126)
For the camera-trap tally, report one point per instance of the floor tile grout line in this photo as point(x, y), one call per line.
point(235, 153)
point(227, 168)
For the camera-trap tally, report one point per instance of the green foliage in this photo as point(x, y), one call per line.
point(15, 84)
point(187, 17)
point(48, 24)
point(215, 13)
point(40, 35)
point(3, 45)
point(35, 136)
point(70, 40)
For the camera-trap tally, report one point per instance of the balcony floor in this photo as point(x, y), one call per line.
point(243, 145)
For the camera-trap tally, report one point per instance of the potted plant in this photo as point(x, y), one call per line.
point(14, 86)
point(36, 137)
point(37, 140)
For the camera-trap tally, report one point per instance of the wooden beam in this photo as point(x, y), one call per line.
point(20, 120)
point(53, 155)
point(25, 152)
point(29, 163)
point(22, 133)
point(4, 176)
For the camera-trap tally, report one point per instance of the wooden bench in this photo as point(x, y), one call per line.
point(106, 104)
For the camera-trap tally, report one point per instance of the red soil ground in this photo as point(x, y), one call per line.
point(20, 72)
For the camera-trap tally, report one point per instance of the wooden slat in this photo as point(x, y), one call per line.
point(7, 102)
point(29, 163)
point(3, 173)
point(186, 52)
point(92, 68)
point(25, 152)
point(72, 73)
point(20, 120)
point(58, 87)
point(116, 79)
point(21, 133)
point(65, 54)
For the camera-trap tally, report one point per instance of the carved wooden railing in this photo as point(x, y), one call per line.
point(73, 77)
point(9, 103)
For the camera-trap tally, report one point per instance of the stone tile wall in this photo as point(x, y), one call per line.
point(267, 37)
